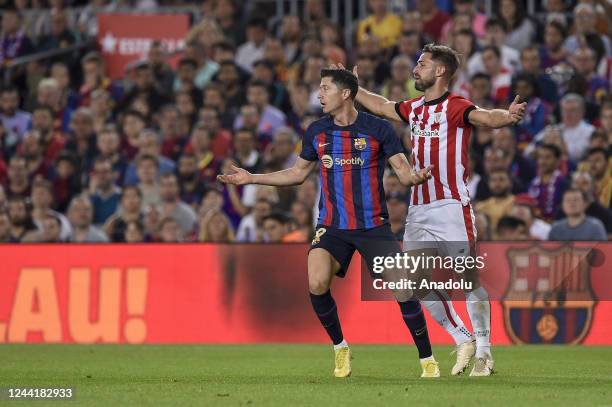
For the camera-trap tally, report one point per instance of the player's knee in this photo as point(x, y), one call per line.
point(318, 286)
point(403, 295)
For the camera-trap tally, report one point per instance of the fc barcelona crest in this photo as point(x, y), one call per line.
point(549, 298)
point(360, 143)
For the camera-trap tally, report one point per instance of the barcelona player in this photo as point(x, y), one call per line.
point(353, 149)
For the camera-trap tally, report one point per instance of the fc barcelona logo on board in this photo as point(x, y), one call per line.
point(549, 298)
point(360, 143)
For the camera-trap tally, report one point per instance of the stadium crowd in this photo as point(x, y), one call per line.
point(84, 158)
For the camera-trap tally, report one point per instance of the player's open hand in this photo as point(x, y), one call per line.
point(517, 110)
point(421, 176)
point(240, 176)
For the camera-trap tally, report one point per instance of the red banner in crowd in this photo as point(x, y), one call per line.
point(189, 293)
point(125, 38)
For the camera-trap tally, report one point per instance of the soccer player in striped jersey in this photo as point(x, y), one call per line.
point(440, 218)
point(353, 148)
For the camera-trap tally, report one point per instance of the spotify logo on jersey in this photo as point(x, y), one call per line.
point(327, 161)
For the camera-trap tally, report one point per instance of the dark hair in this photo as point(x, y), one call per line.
point(224, 45)
point(493, 49)
point(278, 217)
point(584, 195)
point(343, 79)
point(480, 75)
point(135, 113)
point(9, 89)
point(257, 22)
point(492, 22)
point(44, 107)
point(559, 27)
point(552, 148)
point(147, 157)
point(131, 188)
point(510, 223)
point(525, 77)
point(188, 61)
point(258, 83)
point(446, 55)
point(598, 150)
point(246, 130)
point(265, 63)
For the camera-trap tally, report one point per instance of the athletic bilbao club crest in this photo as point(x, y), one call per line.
point(549, 298)
point(437, 117)
point(360, 143)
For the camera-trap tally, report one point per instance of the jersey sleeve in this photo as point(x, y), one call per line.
point(308, 152)
point(391, 143)
point(403, 110)
point(458, 111)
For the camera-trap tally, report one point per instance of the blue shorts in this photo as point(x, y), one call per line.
point(342, 243)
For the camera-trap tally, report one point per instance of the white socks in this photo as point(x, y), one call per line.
point(441, 309)
point(341, 345)
point(479, 309)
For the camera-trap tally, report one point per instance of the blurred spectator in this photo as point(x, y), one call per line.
point(576, 131)
point(251, 225)
point(510, 228)
point(172, 206)
point(49, 94)
point(500, 77)
point(170, 231)
point(5, 228)
point(233, 92)
point(245, 151)
point(173, 141)
point(103, 192)
point(276, 227)
point(226, 13)
point(584, 182)
point(205, 69)
point(585, 18)
point(108, 144)
point(483, 227)
point(584, 60)
point(520, 30)
point(132, 125)
point(185, 79)
point(82, 142)
point(600, 169)
point(128, 211)
point(13, 119)
point(14, 42)
point(253, 49)
point(576, 226)
point(210, 119)
point(50, 231)
point(162, 72)
point(477, 19)
point(505, 140)
point(496, 159)
point(495, 36)
point(94, 79)
point(433, 18)
point(215, 227)
point(501, 201)
point(301, 215)
point(200, 145)
point(66, 180)
point(148, 144)
point(134, 232)
point(480, 90)
point(271, 118)
point(101, 110)
point(80, 215)
point(145, 87)
point(147, 168)
point(42, 204)
point(549, 185)
point(524, 209)
point(525, 86)
point(51, 140)
point(190, 183)
point(546, 88)
point(59, 35)
point(282, 149)
point(552, 51)
point(380, 23)
point(19, 214)
point(68, 96)
point(18, 183)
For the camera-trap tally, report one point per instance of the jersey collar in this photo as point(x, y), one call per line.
point(438, 100)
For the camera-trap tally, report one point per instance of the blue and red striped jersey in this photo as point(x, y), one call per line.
point(353, 160)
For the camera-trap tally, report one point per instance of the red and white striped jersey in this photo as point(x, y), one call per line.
point(440, 134)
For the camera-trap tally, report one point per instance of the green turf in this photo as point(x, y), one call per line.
point(295, 375)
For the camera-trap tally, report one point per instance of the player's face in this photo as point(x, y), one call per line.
point(424, 72)
point(330, 96)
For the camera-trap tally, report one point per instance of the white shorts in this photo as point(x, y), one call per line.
point(446, 225)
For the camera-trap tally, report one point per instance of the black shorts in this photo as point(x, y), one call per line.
point(342, 243)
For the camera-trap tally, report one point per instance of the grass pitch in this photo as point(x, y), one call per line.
point(301, 375)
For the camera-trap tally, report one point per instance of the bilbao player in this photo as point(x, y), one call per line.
point(441, 219)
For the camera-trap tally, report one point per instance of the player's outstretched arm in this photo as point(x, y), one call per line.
point(406, 174)
point(497, 118)
point(375, 103)
point(291, 176)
